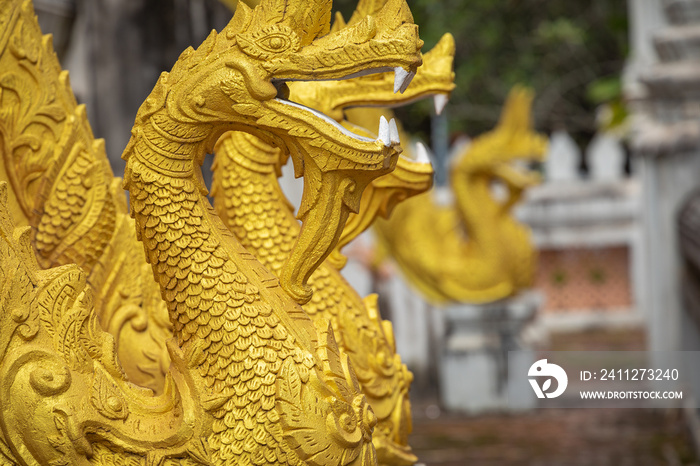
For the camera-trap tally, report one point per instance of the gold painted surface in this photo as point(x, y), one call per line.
point(252, 379)
point(474, 250)
point(251, 204)
point(249, 200)
point(61, 185)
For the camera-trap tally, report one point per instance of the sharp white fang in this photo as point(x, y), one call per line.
point(384, 132)
point(407, 81)
point(400, 76)
point(440, 100)
point(422, 153)
point(394, 132)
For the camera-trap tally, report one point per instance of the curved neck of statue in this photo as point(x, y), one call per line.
point(187, 244)
point(478, 209)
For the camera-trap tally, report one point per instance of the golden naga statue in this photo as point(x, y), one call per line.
point(250, 201)
point(475, 250)
point(251, 378)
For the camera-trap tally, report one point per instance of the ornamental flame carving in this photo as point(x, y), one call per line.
point(247, 377)
point(475, 250)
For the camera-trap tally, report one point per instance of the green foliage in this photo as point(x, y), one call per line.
point(607, 92)
point(559, 47)
point(604, 90)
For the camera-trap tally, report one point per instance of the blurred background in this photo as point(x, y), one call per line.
point(615, 221)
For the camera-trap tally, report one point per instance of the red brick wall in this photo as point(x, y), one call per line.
point(584, 279)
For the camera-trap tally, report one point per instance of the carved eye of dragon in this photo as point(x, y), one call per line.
point(269, 41)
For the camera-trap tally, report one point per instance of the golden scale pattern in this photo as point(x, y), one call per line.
point(249, 200)
point(251, 380)
point(384, 380)
point(243, 345)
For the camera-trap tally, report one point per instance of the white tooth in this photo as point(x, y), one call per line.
point(407, 81)
point(400, 76)
point(384, 132)
point(394, 132)
point(422, 153)
point(440, 100)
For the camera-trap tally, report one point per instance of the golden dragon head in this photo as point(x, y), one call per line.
point(434, 78)
point(347, 103)
point(237, 80)
point(504, 152)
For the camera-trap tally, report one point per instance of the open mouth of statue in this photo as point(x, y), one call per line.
point(525, 166)
point(440, 100)
point(387, 134)
point(518, 173)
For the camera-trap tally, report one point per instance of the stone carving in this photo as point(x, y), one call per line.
point(473, 251)
point(252, 380)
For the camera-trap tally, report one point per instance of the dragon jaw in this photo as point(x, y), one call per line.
point(434, 78)
point(236, 81)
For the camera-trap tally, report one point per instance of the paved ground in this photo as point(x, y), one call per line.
point(582, 437)
point(548, 437)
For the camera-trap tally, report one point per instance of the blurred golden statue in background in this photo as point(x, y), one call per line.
point(474, 251)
